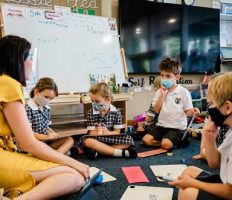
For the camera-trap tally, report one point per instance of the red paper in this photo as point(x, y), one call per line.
point(135, 174)
point(151, 153)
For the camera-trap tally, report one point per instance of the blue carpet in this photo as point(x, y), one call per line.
point(115, 189)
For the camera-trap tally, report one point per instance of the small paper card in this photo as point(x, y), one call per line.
point(151, 153)
point(135, 174)
point(173, 171)
point(106, 177)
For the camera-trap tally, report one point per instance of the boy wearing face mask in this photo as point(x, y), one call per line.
point(38, 113)
point(194, 183)
point(173, 103)
point(104, 123)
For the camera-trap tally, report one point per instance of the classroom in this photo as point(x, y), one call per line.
point(116, 99)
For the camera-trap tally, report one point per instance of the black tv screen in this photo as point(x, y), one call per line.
point(151, 31)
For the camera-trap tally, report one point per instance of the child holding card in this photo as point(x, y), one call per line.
point(194, 183)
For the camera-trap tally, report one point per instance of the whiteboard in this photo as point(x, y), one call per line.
point(70, 46)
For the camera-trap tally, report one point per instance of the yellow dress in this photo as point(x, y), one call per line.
point(14, 166)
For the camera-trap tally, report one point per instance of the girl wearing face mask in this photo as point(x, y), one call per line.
point(104, 123)
point(194, 183)
point(38, 113)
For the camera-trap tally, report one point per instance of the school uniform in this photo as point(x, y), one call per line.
point(172, 120)
point(151, 112)
point(225, 176)
point(152, 124)
point(221, 135)
point(38, 119)
point(113, 119)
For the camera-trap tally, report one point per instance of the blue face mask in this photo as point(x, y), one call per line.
point(98, 107)
point(168, 83)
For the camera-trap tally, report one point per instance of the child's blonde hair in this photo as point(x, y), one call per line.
point(220, 87)
point(102, 88)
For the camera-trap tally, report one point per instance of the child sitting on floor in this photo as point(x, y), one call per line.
point(194, 183)
point(151, 118)
point(173, 104)
point(104, 123)
point(38, 113)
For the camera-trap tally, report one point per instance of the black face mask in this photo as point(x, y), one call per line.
point(217, 117)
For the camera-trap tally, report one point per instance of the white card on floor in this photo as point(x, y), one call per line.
point(172, 171)
point(136, 192)
point(106, 177)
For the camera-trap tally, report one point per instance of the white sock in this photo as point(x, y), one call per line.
point(118, 153)
point(127, 154)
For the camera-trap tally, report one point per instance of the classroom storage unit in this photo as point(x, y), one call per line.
point(69, 112)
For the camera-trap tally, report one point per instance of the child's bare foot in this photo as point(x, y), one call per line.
point(197, 157)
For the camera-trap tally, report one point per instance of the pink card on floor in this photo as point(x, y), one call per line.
point(135, 174)
point(151, 153)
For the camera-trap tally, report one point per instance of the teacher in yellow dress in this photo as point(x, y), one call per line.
point(43, 173)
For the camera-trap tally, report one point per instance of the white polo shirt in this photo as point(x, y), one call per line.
point(226, 158)
point(172, 113)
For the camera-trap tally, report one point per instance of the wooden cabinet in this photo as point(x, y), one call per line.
point(65, 122)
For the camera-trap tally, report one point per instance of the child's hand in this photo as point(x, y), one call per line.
point(163, 91)
point(53, 135)
point(193, 111)
point(196, 111)
point(105, 130)
point(210, 131)
point(183, 182)
point(98, 130)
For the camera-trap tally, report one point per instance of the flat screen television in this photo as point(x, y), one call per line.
point(150, 31)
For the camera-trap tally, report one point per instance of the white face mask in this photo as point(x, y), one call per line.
point(41, 101)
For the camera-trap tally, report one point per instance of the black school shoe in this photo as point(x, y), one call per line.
point(74, 151)
point(91, 154)
point(132, 153)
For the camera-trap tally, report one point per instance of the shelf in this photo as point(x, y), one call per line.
point(226, 60)
point(74, 124)
point(66, 99)
point(64, 103)
point(116, 97)
point(57, 121)
point(226, 17)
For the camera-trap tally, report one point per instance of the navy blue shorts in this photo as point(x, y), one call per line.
point(208, 178)
point(174, 135)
